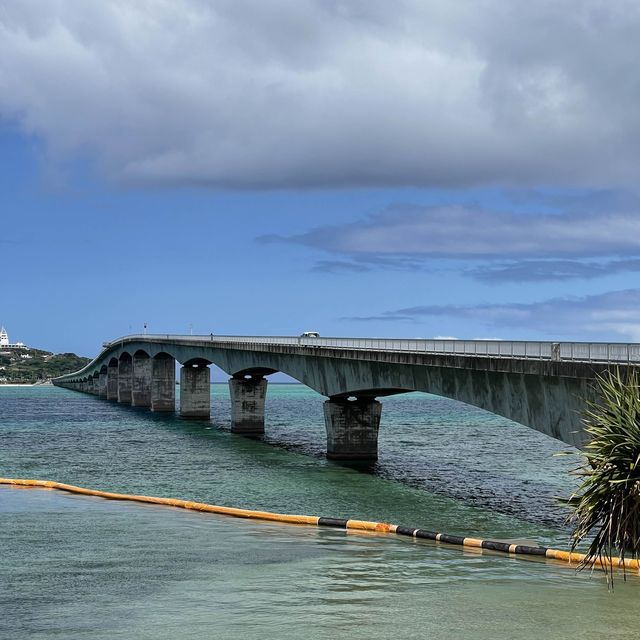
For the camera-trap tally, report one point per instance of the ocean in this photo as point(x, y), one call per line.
point(78, 567)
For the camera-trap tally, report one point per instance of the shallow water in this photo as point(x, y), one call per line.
point(78, 567)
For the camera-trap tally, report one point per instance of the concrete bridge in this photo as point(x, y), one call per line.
point(543, 385)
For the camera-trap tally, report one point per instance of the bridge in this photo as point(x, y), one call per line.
point(543, 385)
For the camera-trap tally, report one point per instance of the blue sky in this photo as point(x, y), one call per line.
point(318, 166)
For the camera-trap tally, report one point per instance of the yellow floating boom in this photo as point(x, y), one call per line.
point(319, 521)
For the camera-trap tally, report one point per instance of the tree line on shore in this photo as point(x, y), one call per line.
point(29, 366)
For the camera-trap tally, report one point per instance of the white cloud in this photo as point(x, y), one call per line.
point(613, 315)
point(245, 93)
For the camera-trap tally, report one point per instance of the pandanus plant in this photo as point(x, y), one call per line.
point(606, 505)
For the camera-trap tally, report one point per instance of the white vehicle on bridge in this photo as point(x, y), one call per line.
point(310, 334)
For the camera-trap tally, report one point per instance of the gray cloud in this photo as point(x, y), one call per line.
point(457, 232)
point(576, 243)
point(576, 200)
point(339, 266)
point(316, 93)
point(489, 273)
point(361, 264)
point(615, 313)
point(388, 317)
point(546, 270)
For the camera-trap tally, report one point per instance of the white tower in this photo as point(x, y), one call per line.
point(4, 337)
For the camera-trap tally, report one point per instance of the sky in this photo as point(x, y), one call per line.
point(357, 168)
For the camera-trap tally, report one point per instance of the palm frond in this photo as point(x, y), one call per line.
point(606, 506)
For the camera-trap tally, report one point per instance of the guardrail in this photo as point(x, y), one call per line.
point(558, 351)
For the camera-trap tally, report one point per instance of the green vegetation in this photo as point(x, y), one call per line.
point(28, 366)
point(606, 506)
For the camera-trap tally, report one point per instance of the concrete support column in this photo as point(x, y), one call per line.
point(352, 428)
point(247, 404)
point(163, 384)
point(112, 381)
point(102, 385)
point(125, 377)
point(195, 391)
point(93, 386)
point(141, 382)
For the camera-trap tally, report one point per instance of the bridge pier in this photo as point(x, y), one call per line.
point(112, 381)
point(352, 428)
point(125, 377)
point(141, 381)
point(247, 404)
point(102, 385)
point(163, 383)
point(195, 391)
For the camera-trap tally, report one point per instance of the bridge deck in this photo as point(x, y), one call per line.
point(620, 352)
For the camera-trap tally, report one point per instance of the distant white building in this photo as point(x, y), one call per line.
point(5, 343)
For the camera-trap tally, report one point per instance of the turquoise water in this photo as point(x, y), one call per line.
point(77, 567)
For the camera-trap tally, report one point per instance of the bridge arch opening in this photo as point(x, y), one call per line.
point(197, 362)
point(369, 393)
point(253, 373)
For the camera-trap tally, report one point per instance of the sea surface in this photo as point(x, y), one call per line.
point(78, 567)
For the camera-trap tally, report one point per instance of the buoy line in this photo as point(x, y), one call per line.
point(338, 523)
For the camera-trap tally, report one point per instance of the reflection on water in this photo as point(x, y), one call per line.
point(77, 567)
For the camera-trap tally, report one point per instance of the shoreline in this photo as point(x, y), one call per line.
point(25, 384)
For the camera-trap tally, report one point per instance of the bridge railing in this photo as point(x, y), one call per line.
point(578, 351)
